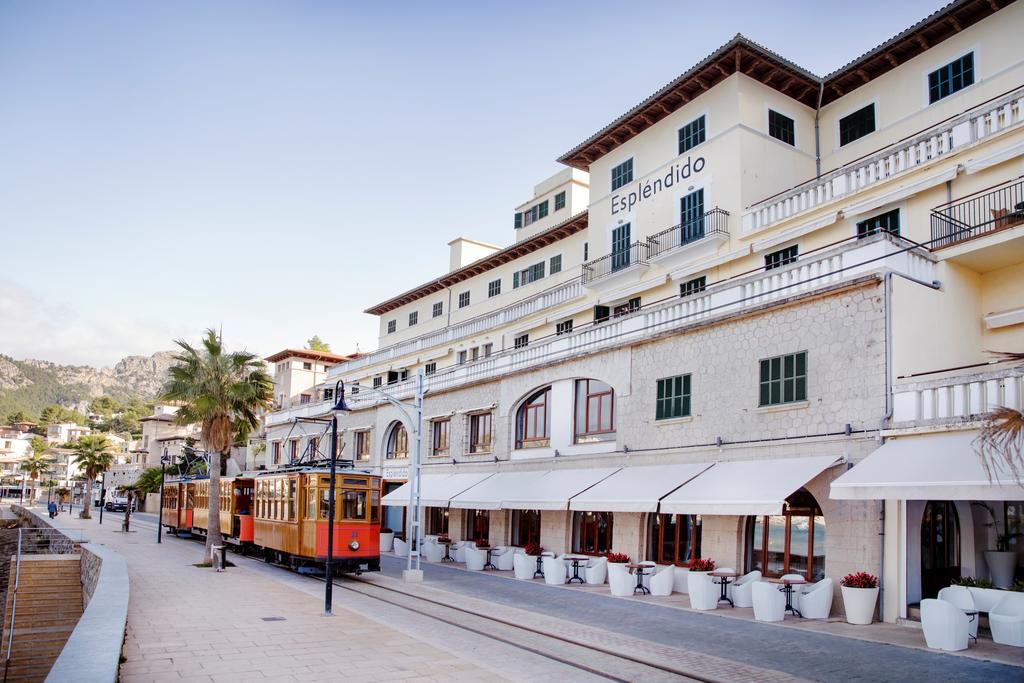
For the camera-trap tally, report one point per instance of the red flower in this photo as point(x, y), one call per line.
point(860, 580)
point(533, 549)
point(618, 558)
point(700, 565)
point(481, 543)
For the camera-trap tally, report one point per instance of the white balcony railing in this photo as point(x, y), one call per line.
point(814, 272)
point(960, 398)
point(942, 140)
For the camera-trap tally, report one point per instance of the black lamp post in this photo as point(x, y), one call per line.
point(339, 407)
point(160, 513)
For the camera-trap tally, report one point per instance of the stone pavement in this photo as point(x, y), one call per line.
point(799, 652)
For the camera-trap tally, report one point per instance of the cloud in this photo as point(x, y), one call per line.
point(31, 327)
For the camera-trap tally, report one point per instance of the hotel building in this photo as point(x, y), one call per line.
point(750, 320)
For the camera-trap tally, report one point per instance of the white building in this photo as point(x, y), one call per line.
point(65, 432)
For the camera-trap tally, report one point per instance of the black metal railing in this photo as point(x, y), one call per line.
point(619, 259)
point(714, 222)
point(983, 212)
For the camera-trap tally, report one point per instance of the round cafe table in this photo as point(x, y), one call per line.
point(638, 569)
point(787, 588)
point(725, 578)
point(447, 543)
point(576, 560)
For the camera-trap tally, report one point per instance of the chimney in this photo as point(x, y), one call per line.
point(465, 251)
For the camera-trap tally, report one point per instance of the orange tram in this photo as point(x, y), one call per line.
point(284, 514)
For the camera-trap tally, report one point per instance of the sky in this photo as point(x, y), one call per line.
point(274, 168)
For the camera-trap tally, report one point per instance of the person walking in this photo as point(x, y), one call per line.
point(52, 509)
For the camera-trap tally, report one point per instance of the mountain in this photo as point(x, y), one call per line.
point(30, 385)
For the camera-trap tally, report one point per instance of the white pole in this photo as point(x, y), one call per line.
point(413, 571)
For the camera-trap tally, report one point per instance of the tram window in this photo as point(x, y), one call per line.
point(354, 482)
point(291, 499)
point(311, 502)
point(374, 505)
point(324, 503)
point(354, 505)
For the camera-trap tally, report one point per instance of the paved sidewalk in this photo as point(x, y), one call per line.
point(802, 653)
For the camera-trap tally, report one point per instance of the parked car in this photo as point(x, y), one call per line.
point(117, 504)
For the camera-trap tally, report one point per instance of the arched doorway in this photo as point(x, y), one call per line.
point(940, 546)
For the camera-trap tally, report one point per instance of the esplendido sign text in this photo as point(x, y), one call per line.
point(676, 173)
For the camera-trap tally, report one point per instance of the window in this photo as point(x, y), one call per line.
point(480, 433)
point(790, 543)
point(673, 398)
point(532, 428)
point(555, 265)
point(560, 200)
point(691, 135)
point(396, 376)
point(948, 79)
point(474, 353)
point(601, 314)
point(626, 308)
point(887, 222)
point(591, 532)
point(307, 366)
point(521, 341)
point(586, 251)
point(857, 125)
point(564, 327)
point(542, 209)
point(304, 399)
point(328, 393)
point(478, 525)
point(595, 411)
point(622, 174)
point(293, 450)
point(353, 504)
point(463, 299)
point(487, 349)
point(493, 288)
point(398, 442)
point(784, 379)
point(694, 286)
point(525, 527)
point(674, 539)
point(430, 368)
point(781, 127)
point(276, 460)
point(377, 381)
point(362, 445)
point(462, 357)
point(782, 257)
point(437, 521)
point(414, 318)
point(441, 431)
point(620, 247)
point(519, 220)
point(392, 326)
point(534, 214)
point(528, 275)
point(691, 217)
point(438, 309)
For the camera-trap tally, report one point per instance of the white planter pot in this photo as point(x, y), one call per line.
point(387, 542)
point(1001, 566)
point(859, 604)
point(703, 593)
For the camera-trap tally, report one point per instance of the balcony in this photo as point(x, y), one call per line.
point(979, 214)
point(618, 263)
point(690, 240)
point(943, 140)
point(958, 399)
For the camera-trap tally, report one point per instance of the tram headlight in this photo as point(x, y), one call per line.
point(353, 545)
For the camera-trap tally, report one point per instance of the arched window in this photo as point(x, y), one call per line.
point(790, 543)
point(675, 539)
point(533, 423)
point(398, 442)
point(595, 411)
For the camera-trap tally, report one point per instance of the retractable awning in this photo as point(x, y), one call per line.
point(436, 489)
point(493, 491)
point(636, 489)
point(745, 487)
point(554, 489)
point(926, 467)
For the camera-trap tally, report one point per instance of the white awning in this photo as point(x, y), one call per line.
point(926, 467)
point(491, 493)
point(636, 489)
point(435, 489)
point(554, 489)
point(745, 487)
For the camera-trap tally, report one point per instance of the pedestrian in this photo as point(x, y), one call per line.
point(52, 508)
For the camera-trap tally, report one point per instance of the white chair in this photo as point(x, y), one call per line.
point(555, 571)
point(503, 557)
point(596, 571)
point(944, 624)
point(816, 603)
point(433, 551)
point(523, 566)
point(458, 550)
point(704, 593)
point(662, 580)
point(620, 581)
point(475, 558)
point(680, 579)
point(962, 598)
point(1006, 620)
point(769, 601)
point(742, 595)
point(401, 548)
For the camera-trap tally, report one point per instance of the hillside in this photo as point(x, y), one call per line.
point(30, 385)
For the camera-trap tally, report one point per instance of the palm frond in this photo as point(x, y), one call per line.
point(1001, 442)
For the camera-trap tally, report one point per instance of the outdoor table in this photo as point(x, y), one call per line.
point(540, 567)
point(576, 559)
point(447, 543)
point(972, 614)
point(787, 588)
point(638, 569)
point(488, 564)
point(726, 579)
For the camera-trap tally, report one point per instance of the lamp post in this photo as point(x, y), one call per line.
point(103, 495)
point(160, 513)
point(339, 407)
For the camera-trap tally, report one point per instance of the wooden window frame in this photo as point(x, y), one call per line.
point(440, 436)
point(538, 401)
point(588, 396)
point(584, 528)
point(475, 420)
point(694, 530)
point(397, 435)
point(789, 513)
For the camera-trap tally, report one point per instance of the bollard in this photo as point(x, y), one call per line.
point(217, 557)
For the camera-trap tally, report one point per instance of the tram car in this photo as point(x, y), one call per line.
point(291, 513)
point(236, 518)
point(177, 511)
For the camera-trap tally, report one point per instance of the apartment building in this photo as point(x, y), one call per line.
point(751, 320)
point(65, 432)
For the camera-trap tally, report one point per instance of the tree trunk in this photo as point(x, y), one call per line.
point(86, 512)
point(213, 536)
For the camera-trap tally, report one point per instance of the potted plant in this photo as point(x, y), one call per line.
point(860, 593)
point(387, 540)
point(1002, 562)
point(703, 593)
point(533, 550)
point(482, 543)
point(617, 558)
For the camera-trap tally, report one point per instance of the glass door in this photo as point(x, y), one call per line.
point(620, 247)
point(691, 216)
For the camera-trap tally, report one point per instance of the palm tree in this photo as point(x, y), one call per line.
point(94, 456)
point(1001, 441)
point(224, 393)
point(35, 464)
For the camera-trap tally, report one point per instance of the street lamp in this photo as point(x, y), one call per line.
point(339, 407)
point(160, 513)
